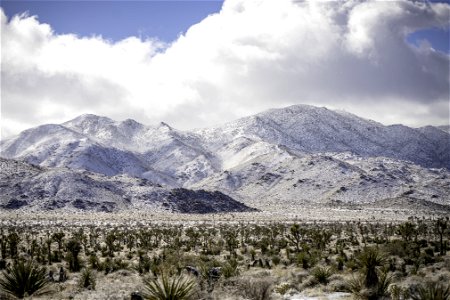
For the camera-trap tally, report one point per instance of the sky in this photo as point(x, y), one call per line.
point(200, 63)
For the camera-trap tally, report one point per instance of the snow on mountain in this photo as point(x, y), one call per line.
point(104, 146)
point(445, 128)
point(316, 130)
point(273, 160)
point(27, 187)
point(281, 180)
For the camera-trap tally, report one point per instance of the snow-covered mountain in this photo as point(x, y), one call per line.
point(312, 129)
point(98, 144)
point(24, 186)
point(272, 160)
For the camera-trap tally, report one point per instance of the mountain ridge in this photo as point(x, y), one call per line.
point(331, 156)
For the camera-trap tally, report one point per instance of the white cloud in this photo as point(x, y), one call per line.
point(251, 56)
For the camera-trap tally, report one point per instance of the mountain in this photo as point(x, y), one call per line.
point(445, 128)
point(24, 186)
point(107, 147)
point(281, 181)
point(275, 160)
point(319, 130)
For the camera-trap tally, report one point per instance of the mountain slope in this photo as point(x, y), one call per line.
point(282, 180)
point(27, 187)
point(273, 160)
point(101, 145)
point(317, 130)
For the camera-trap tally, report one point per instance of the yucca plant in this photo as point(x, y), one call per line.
point(432, 291)
point(384, 282)
point(167, 288)
point(370, 259)
point(356, 286)
point(87, 279)
point(322, 274)
point(230, 269)
point(23, 278)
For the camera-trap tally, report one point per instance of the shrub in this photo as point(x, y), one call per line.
point(432, 291)
point(276, 260)
point(283, 288)
point(87, 279)
point(322, 274)
point(256, 289)
point(396, 292)
point(23, 277)
point(304, 259)
point(168, 288)
point(357, 286)
point(230, 269)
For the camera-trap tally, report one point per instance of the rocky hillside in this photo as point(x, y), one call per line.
point(27, 187)
point(273, 160)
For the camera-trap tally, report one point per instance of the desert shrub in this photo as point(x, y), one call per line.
point(179, 288)
point(276, 260)
point(382, 288)
point(23, 278)
point(144, 264)
point(106, 266)
point(352, 264)
point(119, 264)
point(340, 263)
point(355, 286)
point(282, 288)
point(398, 292)
point(397, 248)
point(93, 261)
point(432, 291)
point(304, 260)
point(230, 269)
point(87, 279)
point(322, 274)
point(256, 289)
point(358, 287)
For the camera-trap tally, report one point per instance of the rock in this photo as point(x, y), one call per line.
point(136, 296)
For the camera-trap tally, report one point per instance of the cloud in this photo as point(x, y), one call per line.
point(251, 56)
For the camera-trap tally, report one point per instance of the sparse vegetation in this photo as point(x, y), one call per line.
point(244, 260)
point(432, 291)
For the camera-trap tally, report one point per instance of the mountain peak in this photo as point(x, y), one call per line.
point(295, 109)
point(164, 125)
point(130, 123)
point(90, 118)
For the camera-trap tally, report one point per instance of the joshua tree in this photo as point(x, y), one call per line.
point(49, 250)
point(58, 238)
point(110, 243)
point(407, 230)
point(3, 244)
point(13, 241)
point(441, 228)
point(74, 247)
point(295, 236)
